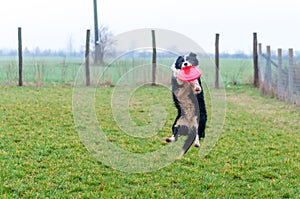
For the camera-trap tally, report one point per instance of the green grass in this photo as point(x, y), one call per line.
point(41, 155)
point(39, 70)
point(63, 70)
point(236, 71)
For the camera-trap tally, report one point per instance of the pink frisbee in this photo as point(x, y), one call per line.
point(189, 73)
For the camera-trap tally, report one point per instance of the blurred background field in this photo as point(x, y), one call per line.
point(39, 71)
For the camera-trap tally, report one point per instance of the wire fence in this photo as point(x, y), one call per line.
point(279, 74)
point(39, 71)
point(48, 71)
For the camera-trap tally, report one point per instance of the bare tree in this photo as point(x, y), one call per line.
point(70, 47)
point(105, 44)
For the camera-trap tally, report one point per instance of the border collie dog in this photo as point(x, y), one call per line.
point(188, 98)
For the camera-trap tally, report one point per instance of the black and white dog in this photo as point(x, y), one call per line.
point(188, 98)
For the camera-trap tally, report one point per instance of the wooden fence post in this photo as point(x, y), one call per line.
point(20, 56)
point(153, 58)
point(217, 60)
point(260, 66)
point(255, 61)
point(87, 58)
point(290, 76)
point(268, 73)
point(279, 74)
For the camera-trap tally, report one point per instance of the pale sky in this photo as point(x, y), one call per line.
point(53, 23)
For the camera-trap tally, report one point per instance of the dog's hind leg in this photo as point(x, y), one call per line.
point(171, 139)
point(203, 113)
point(197, 141)
point(175, 127)
point(174, 135)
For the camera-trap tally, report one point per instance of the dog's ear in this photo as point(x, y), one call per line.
point(179, 62)
point(192, 58)
point(192, 54)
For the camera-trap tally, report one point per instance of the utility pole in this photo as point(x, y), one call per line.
point(97, 43)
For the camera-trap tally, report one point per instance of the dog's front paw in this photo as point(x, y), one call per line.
point(179, 82)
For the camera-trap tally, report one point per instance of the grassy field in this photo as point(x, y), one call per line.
point(257, 155)
point(43, 71)
point(39, 70)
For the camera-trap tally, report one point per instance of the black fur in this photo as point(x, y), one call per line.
point(179, 62)
point(201, 109)
point(196, 99)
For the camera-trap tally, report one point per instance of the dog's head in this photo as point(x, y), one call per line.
point(184, 61)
